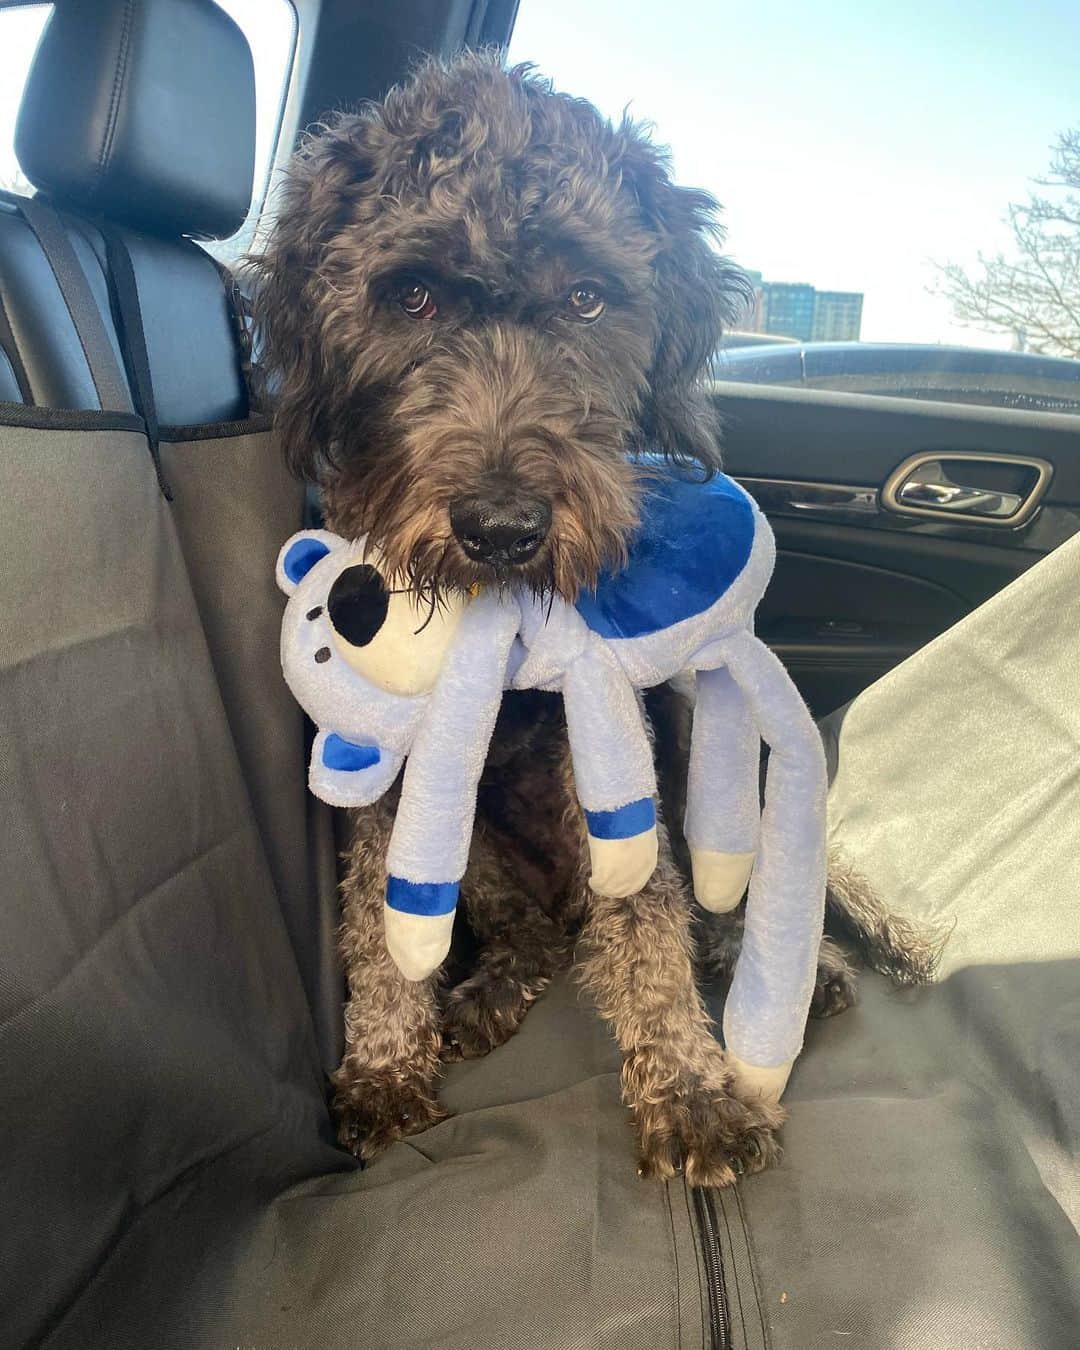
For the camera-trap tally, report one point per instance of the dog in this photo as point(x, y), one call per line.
point(478, 298)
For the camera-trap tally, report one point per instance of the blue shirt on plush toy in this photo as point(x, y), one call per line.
point(381, 692)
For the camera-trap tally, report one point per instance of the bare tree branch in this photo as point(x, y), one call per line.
point(1035, 293)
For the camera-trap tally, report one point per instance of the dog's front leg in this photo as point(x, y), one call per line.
point(638, 966)
point(385, 1087)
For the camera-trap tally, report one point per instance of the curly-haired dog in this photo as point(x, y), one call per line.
point(478, 296)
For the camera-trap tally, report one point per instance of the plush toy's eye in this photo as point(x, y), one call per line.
point(357, 604)
point(416, 300)
point(586, 302)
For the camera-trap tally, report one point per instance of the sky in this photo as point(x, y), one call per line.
point(852, 143)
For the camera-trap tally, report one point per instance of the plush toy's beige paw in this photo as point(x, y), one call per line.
point(753, 1082)
point(622, 866)
point(720, 878)
point(418, 943)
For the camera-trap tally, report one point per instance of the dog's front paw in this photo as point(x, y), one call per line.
point(484, 1012)
point(372, 1111)
point(837, 985)
point(707, 1132)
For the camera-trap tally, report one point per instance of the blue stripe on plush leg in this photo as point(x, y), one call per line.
point(421, 897)
point(624, 822)
point(419, 922)
point(622, 847)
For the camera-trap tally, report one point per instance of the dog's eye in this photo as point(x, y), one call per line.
point(585, 302)
point(415, 299)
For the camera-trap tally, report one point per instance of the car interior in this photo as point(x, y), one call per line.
point(170, 994)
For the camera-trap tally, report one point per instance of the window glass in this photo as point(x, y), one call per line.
point(268, 25)
point(270, 28)
point(20, 30)
point(904, 174)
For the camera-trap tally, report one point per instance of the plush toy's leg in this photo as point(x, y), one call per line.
point(765, 1013)
point(613, 771)
point(723, 813)
point(429, 846)
point(343, 774)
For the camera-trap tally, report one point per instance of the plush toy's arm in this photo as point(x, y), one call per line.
point(765, 1013)
point(429, 845)
point(723, 811)
point(613, 771)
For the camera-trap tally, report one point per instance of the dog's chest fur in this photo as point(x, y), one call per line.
point(523, 797)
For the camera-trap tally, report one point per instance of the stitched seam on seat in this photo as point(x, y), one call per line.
point(675, 1258)
point(114, 102)
point(734, 1268)
point(697, 1256)
point(755, 1278)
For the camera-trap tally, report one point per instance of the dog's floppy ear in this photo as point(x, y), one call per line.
point(698, 294)
point(318, 197)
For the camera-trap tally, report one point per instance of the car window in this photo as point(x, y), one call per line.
point(270, 28)
point(900, 183)
point(268, 25)
point(20, 30)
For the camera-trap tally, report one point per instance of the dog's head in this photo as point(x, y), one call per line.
point(478, 297)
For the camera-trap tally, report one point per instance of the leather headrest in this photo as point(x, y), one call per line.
point(144, 111)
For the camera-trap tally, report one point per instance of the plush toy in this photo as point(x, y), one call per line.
point(685, 601)
point(384, 677)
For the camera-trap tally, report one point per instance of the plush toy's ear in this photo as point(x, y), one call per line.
point(300, 554)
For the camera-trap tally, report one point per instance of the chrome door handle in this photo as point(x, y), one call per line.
point(946, 496)
point(922, 486)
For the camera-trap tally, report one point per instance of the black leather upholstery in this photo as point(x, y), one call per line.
point(143, 110)
point(52, 356)
point(178, 158)
point(190, 334)
point(9, 384)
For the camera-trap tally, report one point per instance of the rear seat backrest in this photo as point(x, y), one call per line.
point(142, 115)
point(35, 322)
point(138, 124)
point(152, 1012)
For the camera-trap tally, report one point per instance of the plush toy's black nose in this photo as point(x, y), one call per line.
point(500, 528)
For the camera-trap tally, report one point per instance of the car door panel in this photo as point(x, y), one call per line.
point(858, 586)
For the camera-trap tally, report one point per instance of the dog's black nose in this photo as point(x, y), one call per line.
point(501, 530)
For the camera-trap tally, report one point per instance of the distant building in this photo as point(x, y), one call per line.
point(795, 309)
point(752, 323)
point(788, 308)
point(837, 316)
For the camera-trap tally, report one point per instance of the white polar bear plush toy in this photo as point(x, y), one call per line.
point(383, 675)
point(385, 678)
